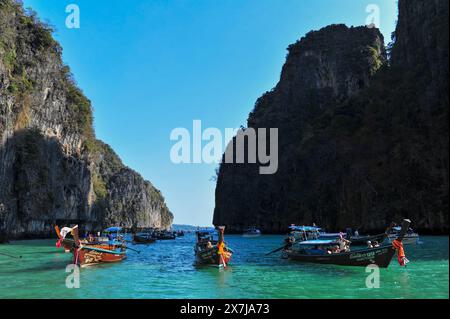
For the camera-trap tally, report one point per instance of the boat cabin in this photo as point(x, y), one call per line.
point(302, 233)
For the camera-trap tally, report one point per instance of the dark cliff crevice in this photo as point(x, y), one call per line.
point(52, 167)
point(361, 141)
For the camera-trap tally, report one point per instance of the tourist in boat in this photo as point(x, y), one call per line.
point(91, 238)
point(209, 245)
point(369, 244)
point(344, 244)
point(376, 244)
point(290, 241)
point(356, 233)
point(336, 250)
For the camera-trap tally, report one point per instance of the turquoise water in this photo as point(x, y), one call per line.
point(166, 270)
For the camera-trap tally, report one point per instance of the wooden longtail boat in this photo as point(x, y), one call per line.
point(143, 238)
point(212, 252)
point(252, 232)
point(410, 238)
point(381, 256)
point(165, 235)
point(68, 244)
point(85, 254)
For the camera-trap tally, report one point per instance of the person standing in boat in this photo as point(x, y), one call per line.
point(290, 241)
point(344, 244)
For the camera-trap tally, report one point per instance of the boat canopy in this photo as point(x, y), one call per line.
point(331, 234)
point(113, 229)
point(317, 242)
point(304, 228)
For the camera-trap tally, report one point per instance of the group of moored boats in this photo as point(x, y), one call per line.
point(303, 243)
point(311, 244)
point(111, 246)
point(151, 235)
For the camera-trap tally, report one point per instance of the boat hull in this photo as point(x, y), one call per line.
point(212, 257)
point(67, 245)
point(143, 240)
point(380, 256)
point(96, 254)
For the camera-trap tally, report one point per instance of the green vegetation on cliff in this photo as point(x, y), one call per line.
point(53, 169)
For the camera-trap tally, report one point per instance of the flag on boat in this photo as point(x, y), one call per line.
point(401, 257)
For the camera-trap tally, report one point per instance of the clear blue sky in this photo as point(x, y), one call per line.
point(151, 66)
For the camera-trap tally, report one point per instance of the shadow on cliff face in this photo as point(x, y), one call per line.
point(39, 186)
point(365, 156)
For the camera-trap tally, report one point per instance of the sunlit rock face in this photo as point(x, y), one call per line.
point(52, 168)
point(361, 141)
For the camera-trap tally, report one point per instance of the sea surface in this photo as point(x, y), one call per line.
point(166, 270)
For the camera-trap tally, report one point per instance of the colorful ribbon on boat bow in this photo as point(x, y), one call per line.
point(220, 246)
point(63, 233)
point(398, 246)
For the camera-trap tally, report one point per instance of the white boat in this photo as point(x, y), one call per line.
point(302, 233)
point(252, 232)
point(410, 238)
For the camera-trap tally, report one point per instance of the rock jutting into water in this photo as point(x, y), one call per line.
point(363, 139)
point(52, 168)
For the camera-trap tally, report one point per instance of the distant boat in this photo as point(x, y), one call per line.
point(302, 233)
point(180, 233)
point(212, 252)
point(164, 235)
point(143, 238)
point(319, 251)
point(410, 237)
point(363, 239)
point(252, 232)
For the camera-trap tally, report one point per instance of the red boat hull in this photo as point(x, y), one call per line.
point(85, 256)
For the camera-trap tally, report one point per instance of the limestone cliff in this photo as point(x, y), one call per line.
point(52, 168)
point(362, 140)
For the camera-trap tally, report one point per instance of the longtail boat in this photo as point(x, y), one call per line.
point(69, 243)
point(212, 252)
point(252, 232)
point(410, 238)
point(164, 235)
point(319, 251)
point(143, 238)
point(89, 253)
